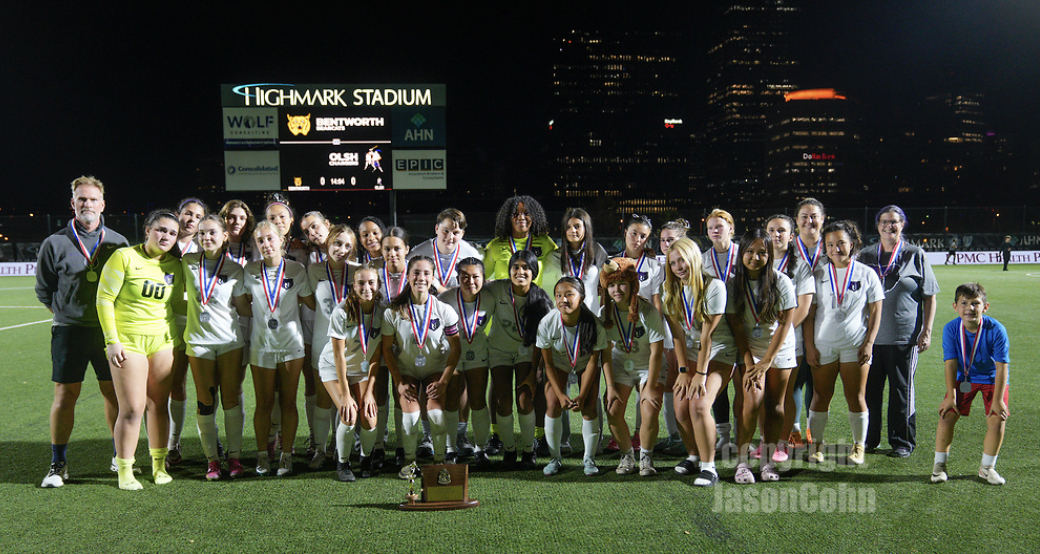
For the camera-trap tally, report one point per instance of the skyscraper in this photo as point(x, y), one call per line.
point(750, 71)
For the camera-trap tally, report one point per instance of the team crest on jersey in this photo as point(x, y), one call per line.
point(537, 251)
point(287, 283)
point(643, 276)
point(435, 324)
point(168, 277)
point(639, 332)
point(481, 319)
point(855, 286)
point(222, 279)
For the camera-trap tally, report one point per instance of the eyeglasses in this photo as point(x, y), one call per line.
point(518, 215)
point(889, 222)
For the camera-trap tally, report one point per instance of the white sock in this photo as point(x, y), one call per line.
point(409, 440)
point(723, 430)
point(858, 423)
point(207, 436)
point(708, 466)
point(988, 461)
point(321, 426)
point(177, 412)
point(234, 424)
point(647, 453)
point(451, 422)
point(527, 431)
point(309, 406)
point(590, 436)
point(554, 435)
point(668, 409)
point(941, 457)
point(481, 427)
point(817, 425)
point(693, 458)
point(505, 432)
point(438, 432)
point(382, 415)
point(344, 441)
point(368, 441)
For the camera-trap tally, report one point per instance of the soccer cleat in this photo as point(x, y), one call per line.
point(590, 467)
point(213, 470)
point(312, 447)
point(627, 465)
point(743, 475)
point(464, 446)
point(115, 467)
point(553, 467)
point(366, 467)
point(221, 451)
point(757, 452)
point(481, 461)
point(317, 461)
point(451, 457)
point(285, 465)
point(781, 455)
point(706, 478)
point(646, 467)
point(815, 453)
point(174, 457)
point(612, 446)
point(378, 459)
point(425, 449)
point(494, 445)
point(343, 472)
point(509, 459)
point(56, 477)
point(686, 467)
point(399, 457)
point(528, 461)
point(795, 439)
point(263, 464)
point(990, 475)
point(939, 474)
point(769, 473)
point(235, 469)
point(858, 455)
point(900, 452)
point(541, 446)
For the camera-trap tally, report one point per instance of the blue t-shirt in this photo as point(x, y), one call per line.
point(993, 347)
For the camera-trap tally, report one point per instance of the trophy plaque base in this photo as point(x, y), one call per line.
point(444, 487)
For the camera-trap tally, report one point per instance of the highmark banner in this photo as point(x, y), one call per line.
point(280, 136)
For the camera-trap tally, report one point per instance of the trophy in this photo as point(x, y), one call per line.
point(444, 487)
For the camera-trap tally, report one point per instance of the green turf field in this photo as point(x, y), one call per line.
point(886, 505)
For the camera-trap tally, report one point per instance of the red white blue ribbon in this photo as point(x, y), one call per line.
point(782, 266)
point(338, 290)
point(839, 293)
point(470, 329)
point(208, 284)
point(812, 260)
point(444, 273)
point(363, 330)
point(731, 256)
point(883, 271)
point(689, 312)
point(421, 329)
point(579, 269)
point(273, 293)
point(92, 255)
point(400, 284)
point(627, 336)
point(572, 349)
point(752, 302)
point(966, 362)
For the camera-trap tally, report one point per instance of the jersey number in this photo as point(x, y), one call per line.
point(153, 290)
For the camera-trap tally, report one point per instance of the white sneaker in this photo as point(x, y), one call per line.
point(646, 467)
point(553, 467)
point(56, 477)
point(263, 464)
point(285, 465)
point(991, 476)
point(115, 467)
point(627, 465)
point(317, 461)
point(939, 474)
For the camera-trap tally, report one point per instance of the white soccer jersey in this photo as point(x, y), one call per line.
point(632, 340)
point(504, 334)
point(553, 335)
point(717, 263)
point(759, 335)
point(474, 318)
point(431, 356)
point(445, 265)
point(217, 322)
point(243, 252)
point(844, 325)
point(285, 332)
point(651, 276)
point(355, 354)
point(803, 284)
point(325, 299)
point(589, 278)
point(722, 336)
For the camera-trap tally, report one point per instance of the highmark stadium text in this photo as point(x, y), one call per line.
point(280, 136)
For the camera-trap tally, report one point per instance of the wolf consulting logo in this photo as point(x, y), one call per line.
point(299, 124)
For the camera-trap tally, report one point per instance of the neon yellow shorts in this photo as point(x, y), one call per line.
point(146, 344)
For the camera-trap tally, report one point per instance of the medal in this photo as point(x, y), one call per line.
point(572, 349)
point(273, 292)
point(420, 361)
point(444, 272)
point(752, 303)
point(241, 258)
point(839, 293)
point(207, 285)
point(523, 350)
point(689, 312)
point(756, 332)
point(516, 314)
point(400, 283)
point(514, 248)
point(811, 260)
point(471, 355)
point(340, 290)
point(579, 269)
point(469, 329)
point(731, 256)
point(204, 317)
point(639, 266)
point(883, 271)
point(627, 336)
point(421, 329)
point(90, 256)
point(363, 331)
point(966, 362)
point(629, 365)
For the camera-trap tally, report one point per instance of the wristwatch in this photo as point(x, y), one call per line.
point(682, 369)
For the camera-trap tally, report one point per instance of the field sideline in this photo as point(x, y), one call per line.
point(886, 505)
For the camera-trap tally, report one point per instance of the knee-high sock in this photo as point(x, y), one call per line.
point(309, 406)
point(554, 435)
point(208, 435)
point(481, 427)
point(234, 424)
point(505, 432)
point(527, 431)
point(438, 432)
point(368, 441)
point(668, 409)
point(858, 422)
point(451, 425)
point(322, 423)
point(177, 412)
point(799, 403)
point(817, 425)
point(382, 415)
point(399, 425)
point(344, 441)
point(409, 440)
point(590, 434)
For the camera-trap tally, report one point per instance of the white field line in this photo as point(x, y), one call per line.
point(24, 324)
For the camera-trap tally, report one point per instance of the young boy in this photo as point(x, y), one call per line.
point(975, 350)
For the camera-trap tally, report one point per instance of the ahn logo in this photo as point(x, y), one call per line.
point(299, 124)
point(418, 120)
point(418, 134)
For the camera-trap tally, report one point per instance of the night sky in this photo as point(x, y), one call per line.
point(133, 97)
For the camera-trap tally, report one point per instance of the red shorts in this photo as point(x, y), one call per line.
point(964, 400)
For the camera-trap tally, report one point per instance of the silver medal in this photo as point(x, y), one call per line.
point(756, 332)
point(272, 324)
point(524, 351)
point(629, 365)
point(471, 355)
point(91, 276)
point(839, 316)
point(965, 387)
point(420, 361)
point(204, 317)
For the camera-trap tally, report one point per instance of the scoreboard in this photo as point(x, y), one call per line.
point(289, 137)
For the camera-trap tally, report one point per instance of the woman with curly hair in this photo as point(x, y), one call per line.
point(520, 225)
